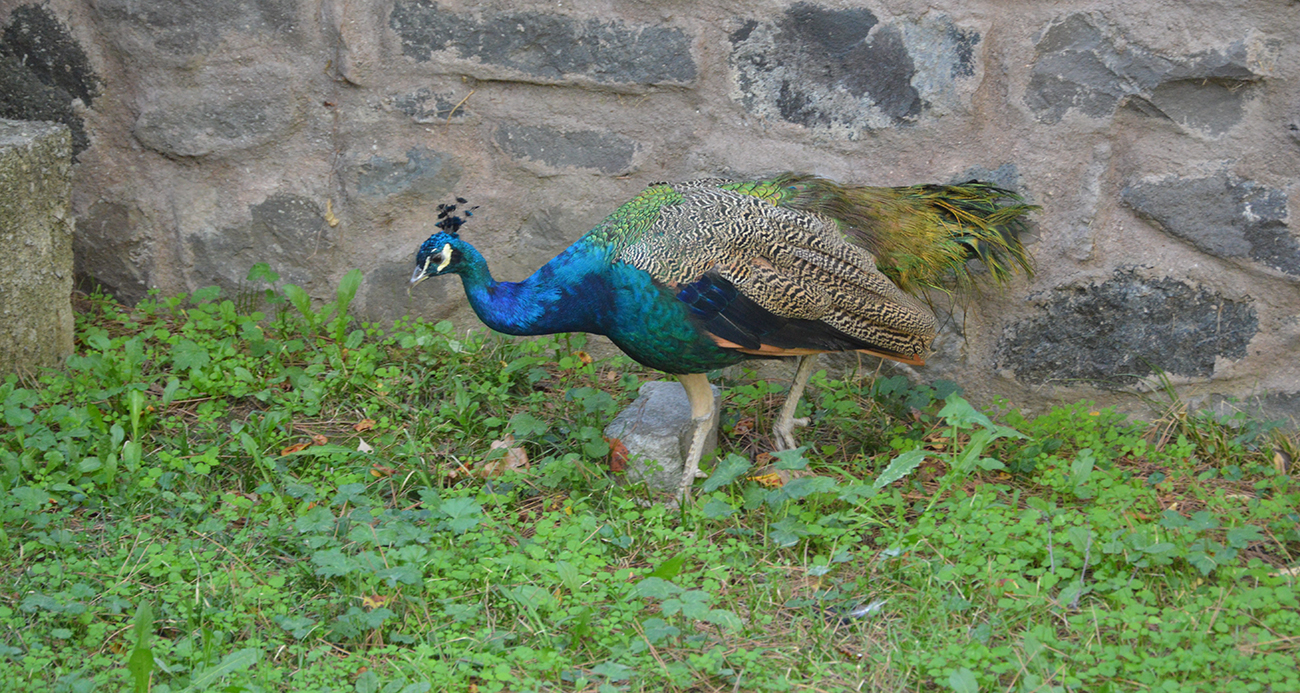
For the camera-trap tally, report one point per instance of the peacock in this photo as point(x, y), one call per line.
point(689, 277)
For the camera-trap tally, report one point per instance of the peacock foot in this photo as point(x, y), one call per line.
point(783, 432)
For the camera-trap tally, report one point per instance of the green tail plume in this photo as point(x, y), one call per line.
point(922, 235)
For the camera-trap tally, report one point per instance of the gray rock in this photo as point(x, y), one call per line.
point(1116, 332)
point(288, 232)
point(601, 151)
point(110, 252)
point(425, 174)
point(656, 428)
point(1083, 64)
point(1222, 215)
point(35, 245)
point(548, 47)
point(843, 71)
point(427, 106)
point(192, 27)
point(194, 123)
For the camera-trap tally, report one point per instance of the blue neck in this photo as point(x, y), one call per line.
point(564, 295)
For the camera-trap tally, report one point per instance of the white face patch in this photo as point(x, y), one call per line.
point(446, 257)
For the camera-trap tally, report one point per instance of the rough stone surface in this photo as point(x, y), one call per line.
point(43, 70)
point(1121, 330)
point(600, 151)
point(656, 429)
point(197, 123)
point(424, 174)
point(1221, 215)
point(1084, 64)
point(1160, 139)
point(35, 245)
point(195, 27)
point(844, 71)
point(546, 46)
point(110, 253)
point(288, 232)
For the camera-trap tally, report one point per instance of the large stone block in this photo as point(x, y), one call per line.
point(544, 46)
point(845, 71)
point(1083, 64)
point(35, 245)
point(1119, 331)
point(1222, 215)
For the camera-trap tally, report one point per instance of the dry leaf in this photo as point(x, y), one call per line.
point(618, 454)
point(296, 447)
point(362, 446)
point(772, 480)
point(514, 458)
point(742, 427)
point(374, 601)
point(584, 357)
point(318, 439)
point(364, 425)
point(380, 470)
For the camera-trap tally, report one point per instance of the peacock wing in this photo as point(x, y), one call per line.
point(773, 280)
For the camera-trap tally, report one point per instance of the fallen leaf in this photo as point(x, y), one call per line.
point(362, 446)
point(318, 439)
point(618, 454)
point(742, 427)
point(380, 470)
point(374, 601)
point(514, 458)
point(584, 357)
point(772, 480)
point(296, 447)
point(364, 425)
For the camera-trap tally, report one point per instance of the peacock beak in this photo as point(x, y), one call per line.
point(416, 277)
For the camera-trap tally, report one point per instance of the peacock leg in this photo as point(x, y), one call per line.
point(700, 394)
point(783, 429)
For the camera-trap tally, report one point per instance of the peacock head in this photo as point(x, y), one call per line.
point(444, 251)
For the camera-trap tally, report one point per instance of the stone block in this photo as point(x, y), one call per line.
point(1117, 332)
point(202, 122)
point(845, 71)
point(1085, 65)
point(656, 429)
point(1222, 215)
point(600, 151)
point(424, 174)
point(179, 28)
point(545, 46)
point(286, 231)
point(35, 245)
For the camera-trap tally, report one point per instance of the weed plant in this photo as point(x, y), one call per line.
point(215, 498)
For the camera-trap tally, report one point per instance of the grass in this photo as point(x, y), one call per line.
point(209, 497)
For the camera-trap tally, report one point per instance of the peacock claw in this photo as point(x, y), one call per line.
point(783, 432)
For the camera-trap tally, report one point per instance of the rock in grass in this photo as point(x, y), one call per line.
point(656, 430)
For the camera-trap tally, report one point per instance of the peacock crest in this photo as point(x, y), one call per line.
point(448, 221)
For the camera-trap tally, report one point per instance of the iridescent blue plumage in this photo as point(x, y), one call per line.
point(692, 277)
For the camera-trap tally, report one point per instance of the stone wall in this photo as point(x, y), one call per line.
point(1162, 140)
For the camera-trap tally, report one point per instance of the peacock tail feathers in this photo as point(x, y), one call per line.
point(922, 235)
